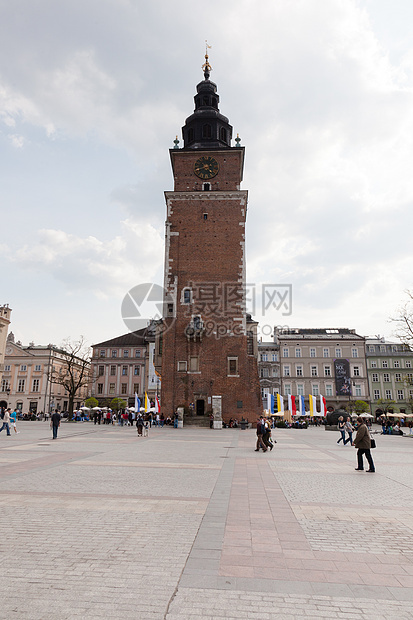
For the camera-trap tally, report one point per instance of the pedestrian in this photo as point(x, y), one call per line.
point(55, 423)
point(342, 428)
point(6, 420)
point(139, 425)
point(362, 442)
point(266, 436)
point(211, 421)
point(260, 432)
point(13, 418)
point(349, 431)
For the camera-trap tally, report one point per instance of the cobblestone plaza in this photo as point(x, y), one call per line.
point(195, 524)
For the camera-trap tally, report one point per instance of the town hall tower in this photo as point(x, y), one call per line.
point(208, 345)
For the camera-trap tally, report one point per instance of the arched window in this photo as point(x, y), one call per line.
point(214, 102)
point(197, 102)
point(187, 295)
point(205, 101)
point(206, 187)
point(223, 134)
point(206, 131)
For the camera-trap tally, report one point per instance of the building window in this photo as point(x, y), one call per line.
point(315, 390)
point(21, 384)
point(400, 395)
point(5, 385)
point(357, 390)
point(136, 388)
point(397, 377)
point(312, 353)
point(356, 371)
point(274, 358)
point(111, 388)
point(124, 371)
point(384, 364)
point(354, 353)
point(329, 389)
point(250, 343)
point(265, 372)
point(327, 371)
point(285, 352)
point(299, 371)
point(206, 187)
point(376, 394)
point(233, 366)
point(136, 370)
point(326, 352)
point(223, 134)
point(187, 296)
point(382, 348)
point(100, 388)
point(113, 371)
point(409, 377)
point(407, 364)
point(371, 348)
point(394, 348)
point(194, 364)
point(124, 388)
point(23, 368)
point(375, 377)
point(7, 368)
point(396, 364)
point(264, 357)
point(287, 389)
point(314, 371)
point(388, 394)
point(298, 353)
point(37, 368)
point(114, 353)
point(286, 371)
point(36, 384)
point(102, 353)
point(410, 393)
point(338, 352)
point(137, 352)
point(126, 353)
point(101, 371)
point(373, 364)
point(300, 389)
point(182, 366)
point(386, 377)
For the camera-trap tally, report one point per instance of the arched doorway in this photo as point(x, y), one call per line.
point(3, 403)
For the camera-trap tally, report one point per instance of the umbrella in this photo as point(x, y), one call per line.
point(85, 408)
point(96, 408)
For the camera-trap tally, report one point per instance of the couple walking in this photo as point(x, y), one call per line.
point(264, 440)
point(345, 427)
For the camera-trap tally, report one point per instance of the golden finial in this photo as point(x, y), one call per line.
point(206, 66)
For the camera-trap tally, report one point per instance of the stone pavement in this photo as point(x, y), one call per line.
point(189, 524)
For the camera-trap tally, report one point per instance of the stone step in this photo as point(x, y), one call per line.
point(200, 421)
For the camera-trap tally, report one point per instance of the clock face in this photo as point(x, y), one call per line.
point(9, 350)
point(206, 167)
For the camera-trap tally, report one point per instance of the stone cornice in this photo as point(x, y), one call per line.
point(241, 194)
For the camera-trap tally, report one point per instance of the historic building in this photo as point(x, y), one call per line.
point(330, 362)
point(208, 344)
point(123, 366)
point(26, 384)
point(5, 313)
point(269, 369)
point(390, 374)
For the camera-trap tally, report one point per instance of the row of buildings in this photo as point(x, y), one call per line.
point(338, 364)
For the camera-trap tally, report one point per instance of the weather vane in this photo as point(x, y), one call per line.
point(206, 66)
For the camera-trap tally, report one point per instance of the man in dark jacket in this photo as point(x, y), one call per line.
point(363, 443)
point(55, 423)
point(260, 432)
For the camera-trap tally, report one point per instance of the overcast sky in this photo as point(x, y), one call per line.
point(92, 94)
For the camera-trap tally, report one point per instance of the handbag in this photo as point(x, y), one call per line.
point(373, 442)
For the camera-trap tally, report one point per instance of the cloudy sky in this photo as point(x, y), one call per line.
point(92, 94)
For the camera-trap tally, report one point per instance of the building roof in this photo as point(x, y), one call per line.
point(131, 339)
point(330, 333)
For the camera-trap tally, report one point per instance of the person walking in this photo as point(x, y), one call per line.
point(13, 419)
point(266, 436)
point(362, 442)
point(6, 421)
point(349, 430)
point(260, 432)
point(139, 425)
point(342, 428)
point(55, 423)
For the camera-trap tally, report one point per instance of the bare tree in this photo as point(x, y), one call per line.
point(404, 321)
point(73, 372)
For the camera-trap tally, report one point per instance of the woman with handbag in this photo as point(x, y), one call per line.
point(341, 426)
point(349, 431)
point(363, 443)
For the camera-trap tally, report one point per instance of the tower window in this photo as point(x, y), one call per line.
point(214, 102)
point(205, 101)
point(170, 308)
point(187, 296)
point(206, 187)
point(206, 131)
point(205, 216)
point(223, 134)
point(190, 135)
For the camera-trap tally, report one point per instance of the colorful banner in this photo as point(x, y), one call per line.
point(342, 374)
point(313, 405)
point(291, 404)
point(301, 400)
point(137, 403)
point(147, 403)
point(157, 405)
point(323, 406)
point(280, 403)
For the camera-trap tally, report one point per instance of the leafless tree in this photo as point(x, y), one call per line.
point(73, 373)
point(404, 321)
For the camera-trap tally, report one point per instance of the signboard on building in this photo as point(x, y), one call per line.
point(342, 374)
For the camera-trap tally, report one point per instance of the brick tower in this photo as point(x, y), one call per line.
point(208, 344)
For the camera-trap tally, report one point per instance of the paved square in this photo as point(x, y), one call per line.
point(195, 524)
